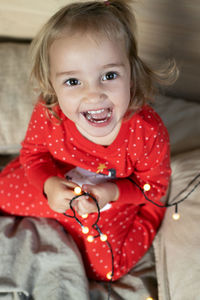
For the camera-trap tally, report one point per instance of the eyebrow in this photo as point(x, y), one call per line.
point(113, 65)
point(74, 72)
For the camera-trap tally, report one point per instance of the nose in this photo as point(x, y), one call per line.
point(94, 97)
point(94, 94)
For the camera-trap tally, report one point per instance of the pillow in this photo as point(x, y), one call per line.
point(16, 98)
point(182, 119)
point(177, 243)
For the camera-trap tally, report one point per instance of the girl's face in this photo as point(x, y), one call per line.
point(92, 79)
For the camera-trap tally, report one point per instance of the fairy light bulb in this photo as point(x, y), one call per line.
point(85, 229)
point(103, 237)
point(109, 275)
point(149, 298)
point(90, 238)
point(176, 215)
point(77, 190)
point(146, 187)
point(84, 216)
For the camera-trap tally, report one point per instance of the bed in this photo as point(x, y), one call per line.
point(38, 259)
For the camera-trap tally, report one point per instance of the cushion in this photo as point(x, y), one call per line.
point(177, 243)
point(182, 119)
point(16, 97)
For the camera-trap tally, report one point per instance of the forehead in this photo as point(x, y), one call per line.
point(71, 49)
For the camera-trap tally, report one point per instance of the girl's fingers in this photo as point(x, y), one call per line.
point(60, 206)
point(85, 205)
point(70, 185)
point(88, 188)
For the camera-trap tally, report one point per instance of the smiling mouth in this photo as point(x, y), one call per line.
point(99, 116)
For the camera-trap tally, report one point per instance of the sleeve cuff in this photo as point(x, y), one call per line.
point(128, 192)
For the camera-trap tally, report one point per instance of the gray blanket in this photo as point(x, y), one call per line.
point(39, 261)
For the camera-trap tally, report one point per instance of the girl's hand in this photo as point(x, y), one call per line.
point(103, 192)
point(59, 192)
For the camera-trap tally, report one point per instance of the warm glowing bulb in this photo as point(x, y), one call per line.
point(149, 298)
point(90, 238)
point(77, 190)
point(176, 216)
point(103, 237)
point(146, 187)
point(84, 216)
point(85, 229)
point(109, 275)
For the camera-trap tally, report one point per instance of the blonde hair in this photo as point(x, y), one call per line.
point(116, 20)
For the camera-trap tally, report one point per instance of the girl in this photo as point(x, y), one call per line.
point(92, 127)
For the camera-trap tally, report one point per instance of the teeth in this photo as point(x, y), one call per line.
point(88, 116)
point(96, 111)
point(98, 116)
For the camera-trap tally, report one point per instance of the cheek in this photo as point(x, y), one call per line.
point(63, 108)
point(69, 108)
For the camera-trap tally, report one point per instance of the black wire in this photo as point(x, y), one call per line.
point(137, 185)
point(173, 203)
point(191, 182)
point(112, 258)
point(96, 227)
point(74, 212)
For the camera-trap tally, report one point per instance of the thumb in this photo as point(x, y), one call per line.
point(92, 190)
point(88, 188)
point(70, 184)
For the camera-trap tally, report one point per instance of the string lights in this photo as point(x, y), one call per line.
point(103, 237)
point(176, 215)
point(77, 190)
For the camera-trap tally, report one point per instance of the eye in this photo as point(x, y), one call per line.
point(109, 76)
point(72, 82)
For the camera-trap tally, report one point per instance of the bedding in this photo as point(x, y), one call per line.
point(38, 260)
point(45, 261)
point(46, 264)
point(177, 243)
point(163, 280)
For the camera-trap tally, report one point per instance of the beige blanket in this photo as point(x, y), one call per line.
point(177, 245)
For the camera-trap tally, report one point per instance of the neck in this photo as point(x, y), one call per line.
point(104, 140)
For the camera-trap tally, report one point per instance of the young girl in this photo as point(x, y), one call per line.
point(92, 127)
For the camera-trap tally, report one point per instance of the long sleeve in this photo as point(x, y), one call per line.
point(152, 167)
point(35, 157)
point(156, 173)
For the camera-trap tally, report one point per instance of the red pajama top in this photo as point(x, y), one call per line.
point(141, 150)
point(53, 146)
